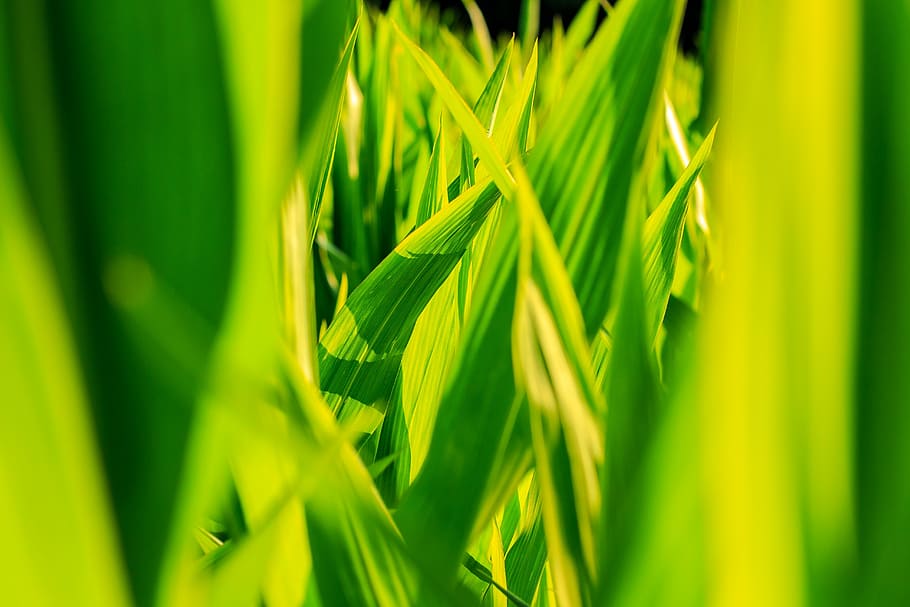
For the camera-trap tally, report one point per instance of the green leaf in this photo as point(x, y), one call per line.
point(882, 422)
point(526, 557)
point(529, 24)
point(54, 512)
point(510, 136)
point(481, 444)
point(566, 408)
point(777, 357)
point(363, 178)
point(435, 188)
point(360, 353)
point(662, 235)
point(427, 358)
point(665, 557)
point(486, 109)
point(362, 559)
point(124, 132)
point(264, 46)
point(466, 119)
point(319, 148)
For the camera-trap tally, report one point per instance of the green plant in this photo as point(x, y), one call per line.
point(308, 303)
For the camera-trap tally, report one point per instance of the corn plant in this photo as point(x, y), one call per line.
point(307, 303)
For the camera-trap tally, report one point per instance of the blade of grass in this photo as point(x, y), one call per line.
point(466, 119)
point(486, 109)
point(662, 235)
point(553, 366)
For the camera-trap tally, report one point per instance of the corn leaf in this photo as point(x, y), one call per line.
point(54, 507)
point(661, 238)
point(566, 408)
point(360, 353)
point(473, 130)
point(119, 102)
point(882, 421)
point(480, 429)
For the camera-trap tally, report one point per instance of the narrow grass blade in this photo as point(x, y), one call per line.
point(486, 109)
point(566, 409)
point(320, 141)
point(435, 188)
point(663, 232)
point(510, 137)
point(481, 32)
point(466, 119)
point(527, 555)
point(529, 24)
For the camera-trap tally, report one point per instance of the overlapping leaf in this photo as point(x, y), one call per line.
point(608, 106)
point(566, 408)
point(381, 340)
point(361, 352)
point(663, 232)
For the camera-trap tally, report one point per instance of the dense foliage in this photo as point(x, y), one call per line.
point(304, 303)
